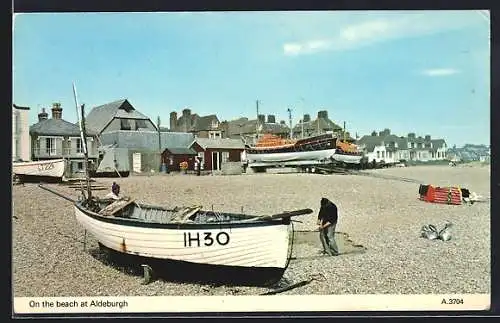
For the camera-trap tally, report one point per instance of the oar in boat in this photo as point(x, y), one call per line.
point(286, 214)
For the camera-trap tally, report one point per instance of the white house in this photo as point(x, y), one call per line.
point(383, 147)
point(20, 133)
point(392, 149)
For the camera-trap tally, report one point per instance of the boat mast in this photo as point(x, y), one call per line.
point(257, 130)
point(344, 132)
point(83, 135)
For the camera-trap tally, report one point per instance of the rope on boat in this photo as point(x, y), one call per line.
point(389, 177)
point(56, 193)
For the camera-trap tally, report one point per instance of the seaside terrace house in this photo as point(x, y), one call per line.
point(216, 152)
point(392, 149)
point(20, 133)
point(200, 126)
point(321, 125)
point(426, 149)
point(56, 138)
point(384, 147)
point(249, 130)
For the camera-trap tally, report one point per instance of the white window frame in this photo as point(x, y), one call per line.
point(224, 156)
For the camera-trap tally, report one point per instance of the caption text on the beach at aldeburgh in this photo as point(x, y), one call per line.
point(75, 303)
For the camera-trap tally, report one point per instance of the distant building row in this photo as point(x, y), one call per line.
point(389, 148)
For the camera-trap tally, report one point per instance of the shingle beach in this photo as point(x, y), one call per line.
point(385, 216)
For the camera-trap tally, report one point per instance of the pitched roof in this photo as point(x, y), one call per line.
point(57, 127)
point(371, 141)
point(203, 123)
point(324, 124)
point(223, 143)
point(146, 139)
point(245, 126)
point(182, 151)
point(100, 116)
point(438, 143)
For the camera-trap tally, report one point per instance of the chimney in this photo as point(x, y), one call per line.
point(186, 114)
point(374, 133)
point(173, 120)
point(43, 115)
point(271, 119)
point(56, 111)
point(307, 118)
point(427, 137)
point(323, 114)
point(261, 118)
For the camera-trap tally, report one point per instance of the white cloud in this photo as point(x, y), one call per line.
point(440, 72)
point(367, 32)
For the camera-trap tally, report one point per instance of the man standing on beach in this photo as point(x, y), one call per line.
point(327, 221)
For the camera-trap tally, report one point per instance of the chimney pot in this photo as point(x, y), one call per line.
point(42, 115)
point(56, 111)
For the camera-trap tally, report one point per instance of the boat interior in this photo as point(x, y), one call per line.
point(130, 209)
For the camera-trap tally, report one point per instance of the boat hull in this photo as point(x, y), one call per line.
point(290, 156)
point(259, 247)
point(182, 271)
point(303, 156)
point(47, 170)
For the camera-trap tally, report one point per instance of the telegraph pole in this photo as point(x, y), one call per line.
point(302, 121)
point(290, 120)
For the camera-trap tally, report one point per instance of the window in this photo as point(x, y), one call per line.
point(140, 124)
point(225, 156)
point(50, 146)
point(79, 166)
point(378, 154)
point(215, 124)
point(79, 146)
point(383, 154)
point(214, 134)
point(125, 124)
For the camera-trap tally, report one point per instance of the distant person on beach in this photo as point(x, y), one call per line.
point(327, 221)
point(115, 192)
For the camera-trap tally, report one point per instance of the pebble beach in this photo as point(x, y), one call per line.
point(383, 215)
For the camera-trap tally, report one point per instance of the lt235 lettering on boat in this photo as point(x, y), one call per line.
point(198, 239)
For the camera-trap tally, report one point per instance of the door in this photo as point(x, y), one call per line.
point(215, 160)
point(136, 162)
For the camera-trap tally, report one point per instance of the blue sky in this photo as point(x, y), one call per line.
point(411, 71)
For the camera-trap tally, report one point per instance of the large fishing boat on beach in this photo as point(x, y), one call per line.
point(271, 149)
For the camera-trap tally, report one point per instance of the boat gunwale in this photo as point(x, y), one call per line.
point(134, 222)
point(33, 163)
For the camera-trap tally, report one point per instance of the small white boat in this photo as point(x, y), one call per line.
point(43, 170)
point(253, 249)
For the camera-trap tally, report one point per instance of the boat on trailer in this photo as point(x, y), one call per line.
point(188, 242)
point(43, 170)
point(273, 149)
